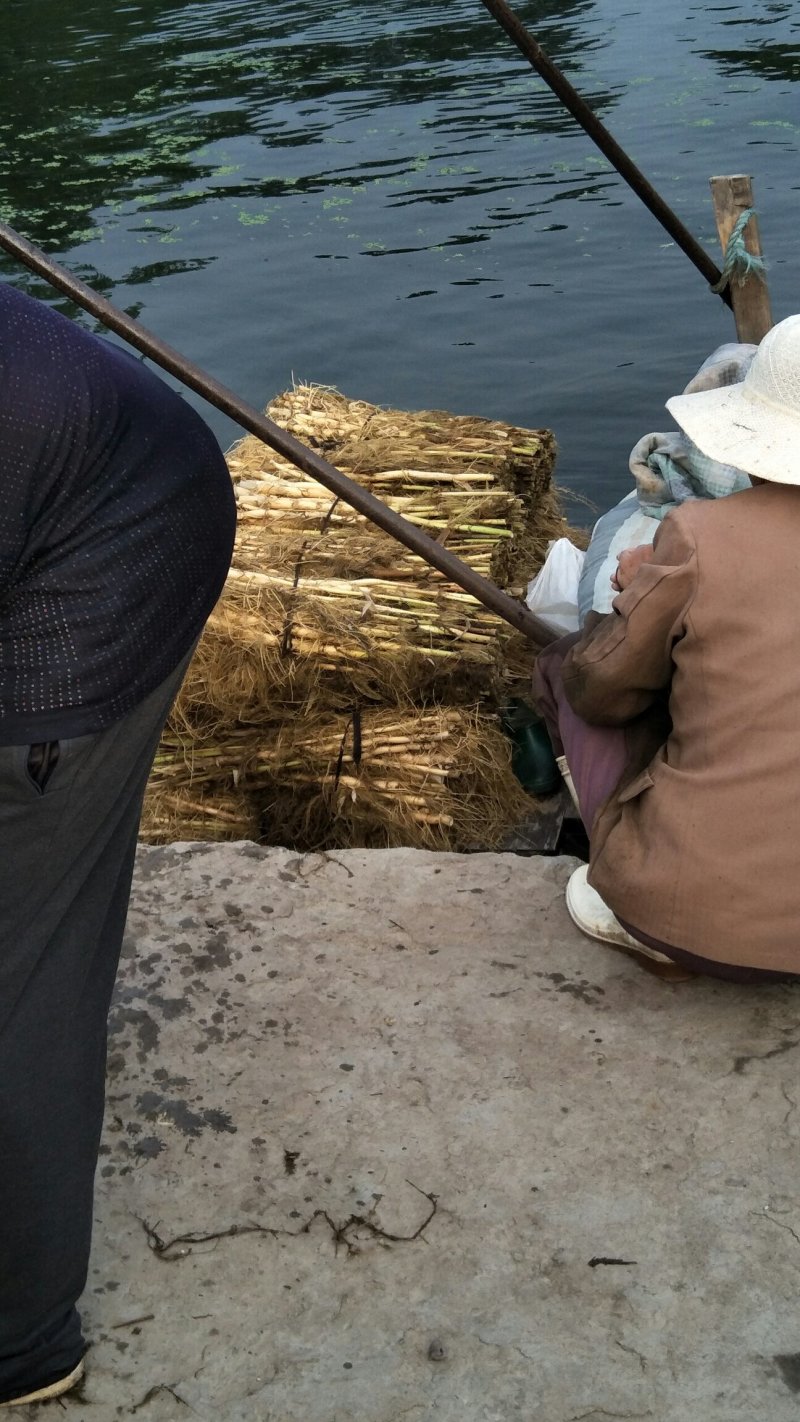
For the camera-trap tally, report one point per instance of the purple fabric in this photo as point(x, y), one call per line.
point(596, 755)
point(730, 972)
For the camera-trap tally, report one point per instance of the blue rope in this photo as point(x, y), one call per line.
point(739, 264)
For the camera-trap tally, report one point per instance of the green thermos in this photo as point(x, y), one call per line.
point(532, 758)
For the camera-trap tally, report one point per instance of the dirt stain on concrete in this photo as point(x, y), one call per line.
point(155, 1107)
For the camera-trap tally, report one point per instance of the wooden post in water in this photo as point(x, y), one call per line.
point(751, 306)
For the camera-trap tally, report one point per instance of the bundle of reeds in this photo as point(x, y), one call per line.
point(378, 442)
point(322, 613)
point(285, 528)
point(483, 487)
point(438, 778)
point(278, 640)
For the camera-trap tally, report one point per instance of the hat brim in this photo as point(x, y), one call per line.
point(759, 438)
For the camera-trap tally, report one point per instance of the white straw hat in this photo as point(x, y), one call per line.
point(755, 426)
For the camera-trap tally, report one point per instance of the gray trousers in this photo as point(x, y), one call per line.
point(67, 845)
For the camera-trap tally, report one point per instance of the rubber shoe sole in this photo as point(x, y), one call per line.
point(46, 1394)
point(593, 917)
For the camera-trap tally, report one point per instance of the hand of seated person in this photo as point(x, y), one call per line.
point(630, 561)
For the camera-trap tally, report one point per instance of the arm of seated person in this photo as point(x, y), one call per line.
point(620, 666)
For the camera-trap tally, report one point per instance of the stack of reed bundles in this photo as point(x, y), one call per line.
point(343, 693)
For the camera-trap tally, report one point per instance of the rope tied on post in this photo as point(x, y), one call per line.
point(739, 264)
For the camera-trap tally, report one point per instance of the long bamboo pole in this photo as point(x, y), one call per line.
point(413, 538)
point(597, 131)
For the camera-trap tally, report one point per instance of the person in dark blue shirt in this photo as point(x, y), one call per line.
point(117, 520)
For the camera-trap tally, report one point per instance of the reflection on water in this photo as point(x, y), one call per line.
point(128, 104)
point(384, 197)
point(760, 52)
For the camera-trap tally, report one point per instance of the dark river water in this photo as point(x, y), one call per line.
point(381, 195)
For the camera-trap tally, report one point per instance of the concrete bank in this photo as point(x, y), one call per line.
point(388, 1139)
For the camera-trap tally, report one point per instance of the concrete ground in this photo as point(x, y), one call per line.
point(388, 1139)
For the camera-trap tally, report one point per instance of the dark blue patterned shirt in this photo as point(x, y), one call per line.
point(116, 526)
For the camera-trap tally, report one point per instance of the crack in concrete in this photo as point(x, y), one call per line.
point(514, 1347)
point(172, 1250)
point(739, 1063)
point(790, 1100)
point(765, 1215)
point(634, 1352)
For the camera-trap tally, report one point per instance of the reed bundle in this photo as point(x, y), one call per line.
point(455, 475)
point(439, 778)
point(378, 442)
point(283, 528)
point(276, 640)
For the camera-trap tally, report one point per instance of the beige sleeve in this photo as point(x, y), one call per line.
point(619, 668)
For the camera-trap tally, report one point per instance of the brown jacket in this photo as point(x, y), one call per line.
point(699, 845)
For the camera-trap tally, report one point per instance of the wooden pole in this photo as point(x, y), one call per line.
point(732, 196)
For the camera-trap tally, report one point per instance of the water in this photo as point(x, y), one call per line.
point(381, 195)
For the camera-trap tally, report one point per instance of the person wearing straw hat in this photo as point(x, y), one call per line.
point(678, 713)
point(116, 530)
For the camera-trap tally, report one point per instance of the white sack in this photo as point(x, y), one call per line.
point(553, 593)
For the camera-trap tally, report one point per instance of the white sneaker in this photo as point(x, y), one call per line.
point(593, 917)
point(55, 1389)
